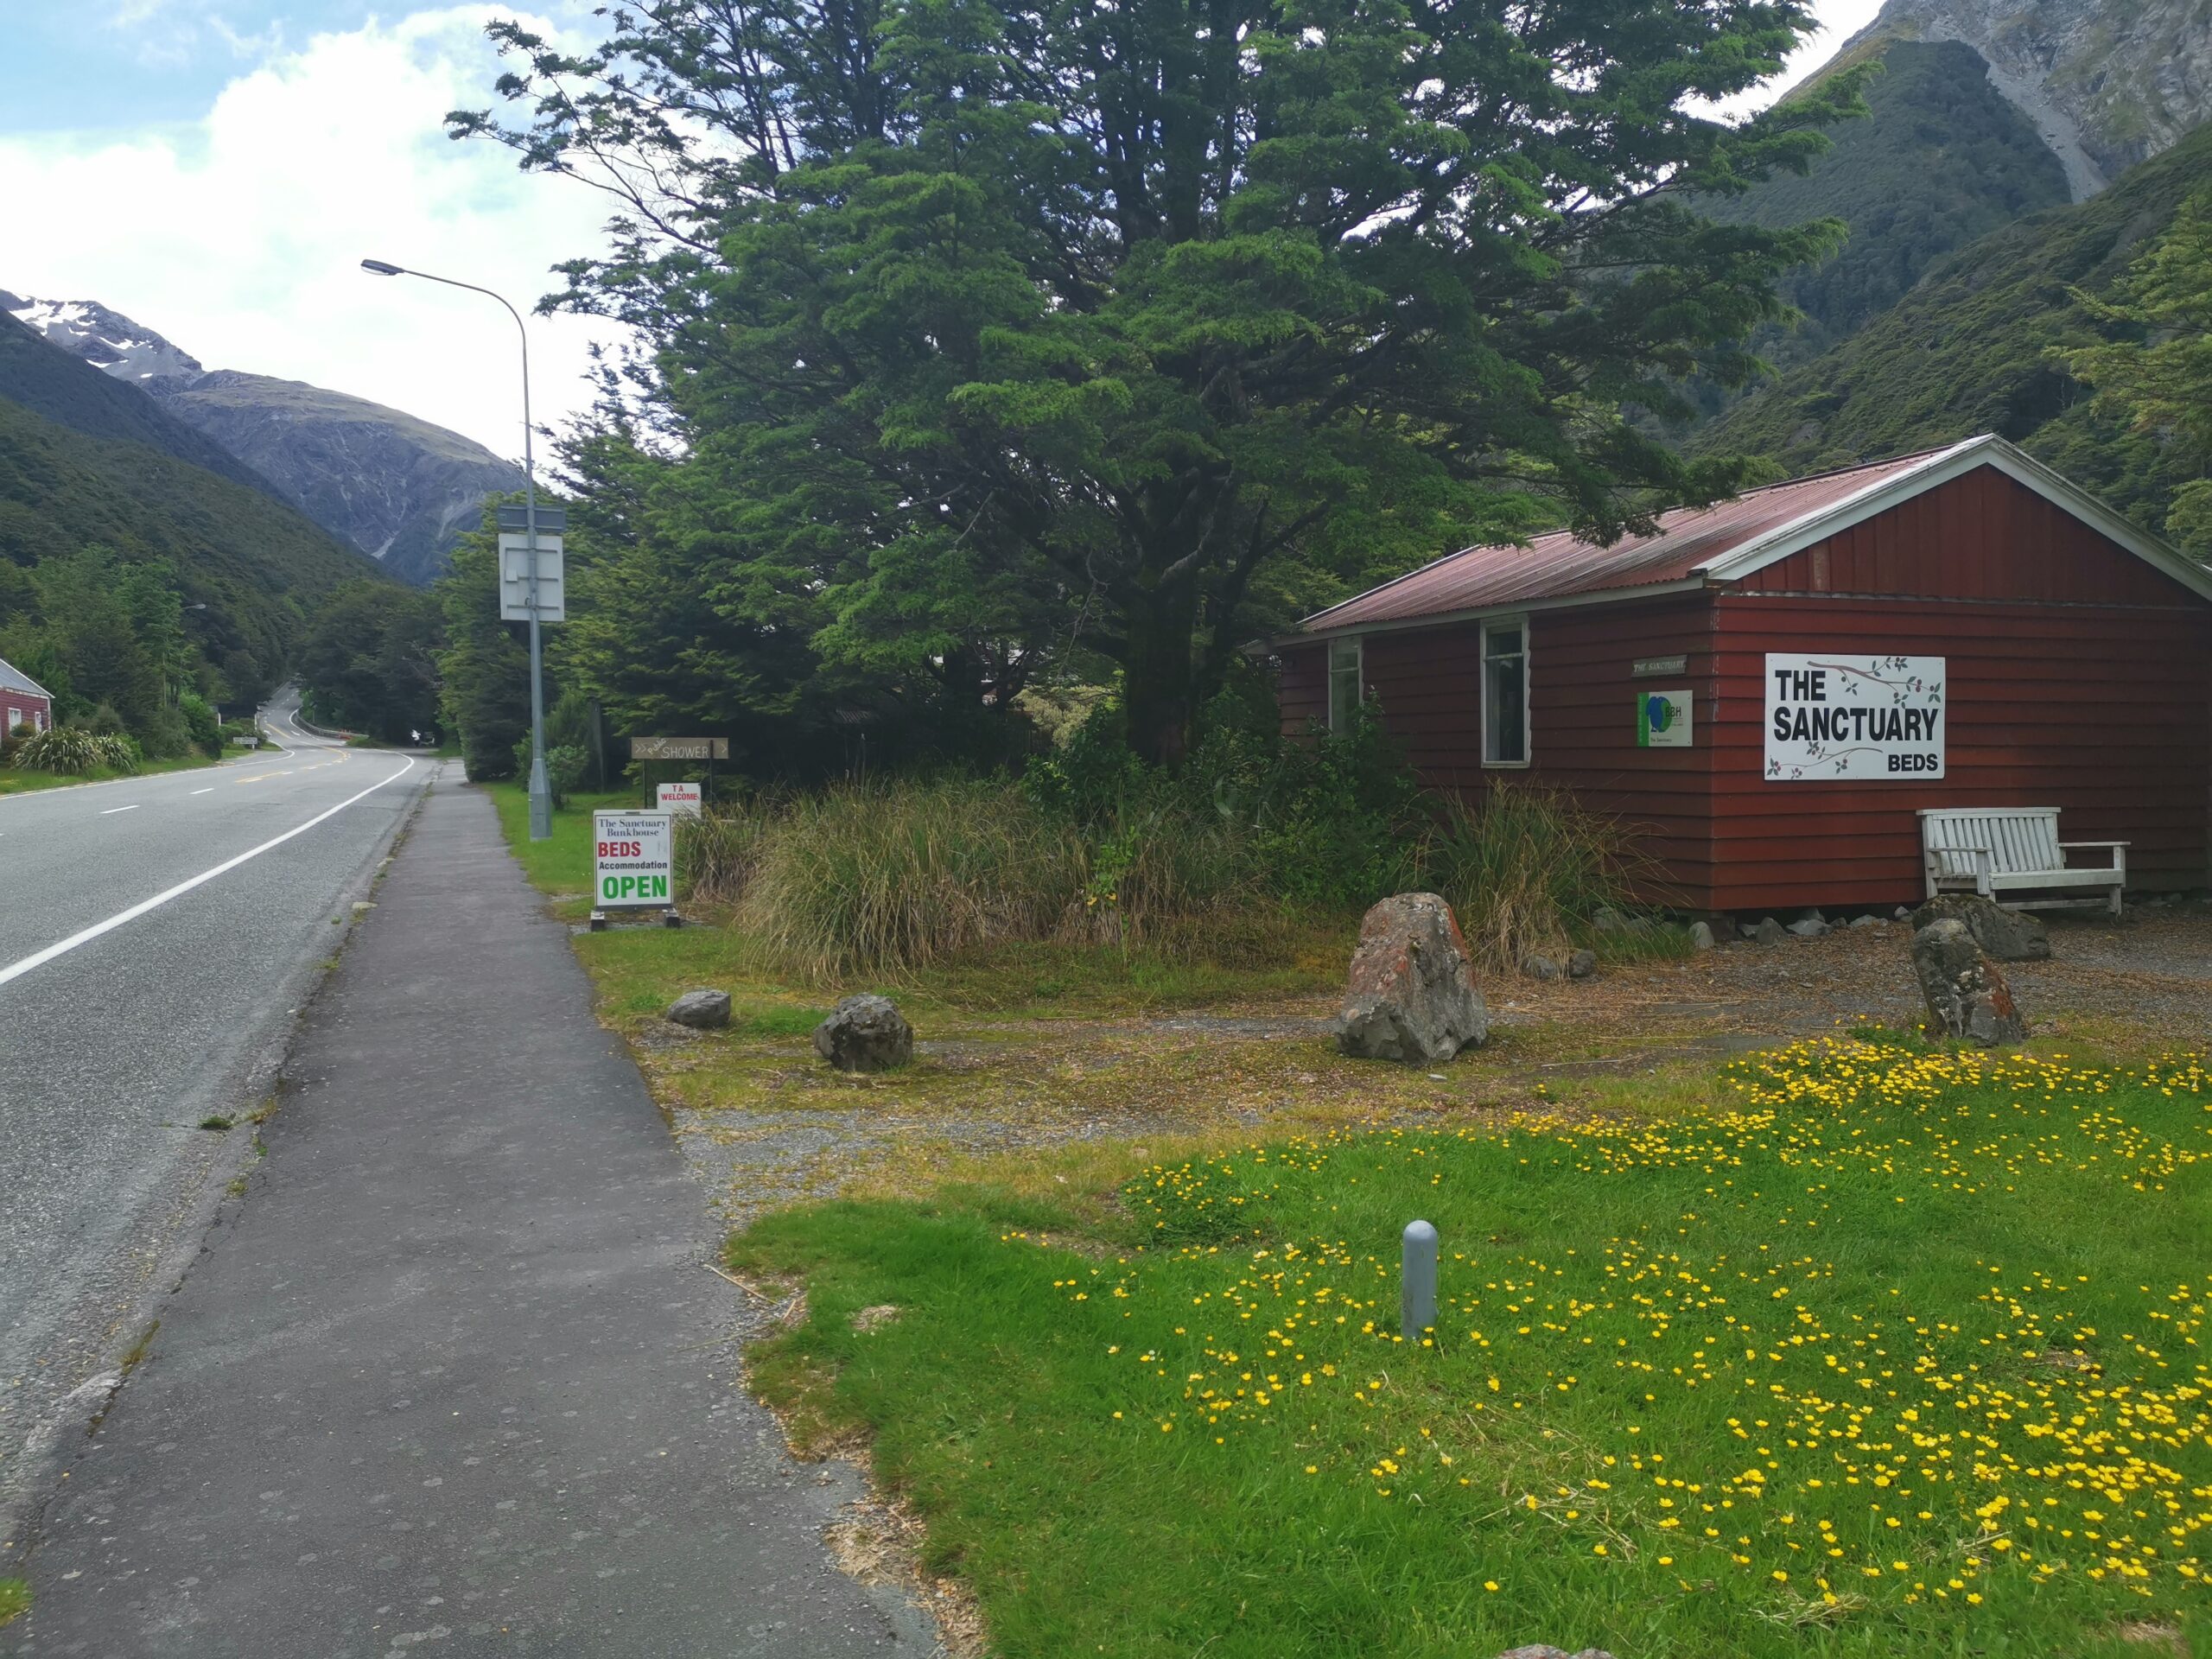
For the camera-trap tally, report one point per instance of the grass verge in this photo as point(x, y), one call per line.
point(15, 1600)
point(14, 782)
point(1872, 1350)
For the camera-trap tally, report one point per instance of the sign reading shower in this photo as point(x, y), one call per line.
point(1862, 719)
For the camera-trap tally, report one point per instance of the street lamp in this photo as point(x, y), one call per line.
point(541, 792)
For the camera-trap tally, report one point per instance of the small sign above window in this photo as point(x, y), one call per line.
point(1647, 668)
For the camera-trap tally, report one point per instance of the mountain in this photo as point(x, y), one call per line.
point(397, 487)
point(2106, 83)
point(1942, 158)
point(256, 564)
point(55, 384)
point(1967, 352)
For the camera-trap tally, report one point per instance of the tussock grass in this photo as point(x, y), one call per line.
point(1526, 870)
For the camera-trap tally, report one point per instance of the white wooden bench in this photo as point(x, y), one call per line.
point(2013, 855)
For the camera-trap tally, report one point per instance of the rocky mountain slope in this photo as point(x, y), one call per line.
point(398, 488)
point(2107, 83)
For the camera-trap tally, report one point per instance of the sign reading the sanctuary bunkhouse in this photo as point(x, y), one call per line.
point(634, 860)
point(1765, 695)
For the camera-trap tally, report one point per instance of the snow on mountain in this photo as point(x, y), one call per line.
point(106, 339)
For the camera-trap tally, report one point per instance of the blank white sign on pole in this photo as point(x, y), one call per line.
point(514, 579)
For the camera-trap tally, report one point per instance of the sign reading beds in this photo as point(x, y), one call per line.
point(1856, 718)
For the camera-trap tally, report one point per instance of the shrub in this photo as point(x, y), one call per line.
point(201, 724)
point(68, 753)
point(1526, 870)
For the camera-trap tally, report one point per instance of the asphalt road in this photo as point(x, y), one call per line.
point(157, 935)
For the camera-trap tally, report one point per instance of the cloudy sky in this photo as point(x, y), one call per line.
point(216, 169)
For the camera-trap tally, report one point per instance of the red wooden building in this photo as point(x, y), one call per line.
point(24, 701)
point(1769, 690)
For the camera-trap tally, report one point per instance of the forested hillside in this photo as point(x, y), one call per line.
point(1941, 160)
point(1977, 348)
point(128, 577)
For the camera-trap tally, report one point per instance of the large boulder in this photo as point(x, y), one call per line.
point(701, 1010)
point(865, 1033)
point(1965, 991)
point(2004, 935)
point(1411, 994)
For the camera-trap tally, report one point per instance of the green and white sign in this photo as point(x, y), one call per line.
point(1663, 720)
point(633, 864)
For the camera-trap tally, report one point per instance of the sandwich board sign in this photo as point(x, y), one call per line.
point(674, 798)
point(1663, 720)
point(514, 579)
point(633, 863)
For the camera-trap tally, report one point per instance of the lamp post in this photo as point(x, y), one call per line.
point(541, 792)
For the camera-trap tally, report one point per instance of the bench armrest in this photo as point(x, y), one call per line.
point(2069, 846)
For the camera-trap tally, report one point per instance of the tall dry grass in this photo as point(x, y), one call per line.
point(1526, 868)
point(881, 879)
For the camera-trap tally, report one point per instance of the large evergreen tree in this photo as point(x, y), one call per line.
point(991, 330)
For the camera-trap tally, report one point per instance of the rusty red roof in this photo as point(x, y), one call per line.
point(1687, 541)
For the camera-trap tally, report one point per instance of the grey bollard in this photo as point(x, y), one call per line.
point(1417, 1280)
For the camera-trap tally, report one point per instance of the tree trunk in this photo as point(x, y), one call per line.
point(1156, 673)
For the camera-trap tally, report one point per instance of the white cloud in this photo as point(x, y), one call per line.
point(239, 236)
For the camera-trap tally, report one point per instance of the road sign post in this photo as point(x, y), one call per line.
point(633, 863)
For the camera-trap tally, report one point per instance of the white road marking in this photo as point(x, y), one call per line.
point(40, 958)
point(210, 789)
point(110, 811)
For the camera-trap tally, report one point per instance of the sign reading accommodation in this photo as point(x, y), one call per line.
point(634, 859)
point(514, 579)
point(1663, 720)
point(679, 749)
point(678, 798)
point(1860, 718)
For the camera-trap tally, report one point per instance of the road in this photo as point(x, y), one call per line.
point(157, 935)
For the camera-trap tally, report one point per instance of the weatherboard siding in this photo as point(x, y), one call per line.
point(2102, 711)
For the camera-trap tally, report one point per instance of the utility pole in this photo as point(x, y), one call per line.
point(541, 790)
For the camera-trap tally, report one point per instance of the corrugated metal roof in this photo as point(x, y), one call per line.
point(1562, 564)
point(14, 679)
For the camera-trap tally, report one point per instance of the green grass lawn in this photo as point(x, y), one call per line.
point(1870, 1351)
point(14, 781)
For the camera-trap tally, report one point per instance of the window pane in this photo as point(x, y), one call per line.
point(1343, 682)
point(1505, 696)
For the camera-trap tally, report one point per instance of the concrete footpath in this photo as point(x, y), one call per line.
point(450, 1377)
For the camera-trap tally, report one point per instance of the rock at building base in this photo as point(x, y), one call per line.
point(1966, 993)
point(1700, 936)
point(701, 1010)
point(2004, 935)
point(1411, 993)
point(1582, 964)
point(1769, 931)
point(1810, 927)
point(1539, 967)
point(865, 1033)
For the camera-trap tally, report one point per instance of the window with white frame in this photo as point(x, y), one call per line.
point(1346, 663)
point(1505, 692)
